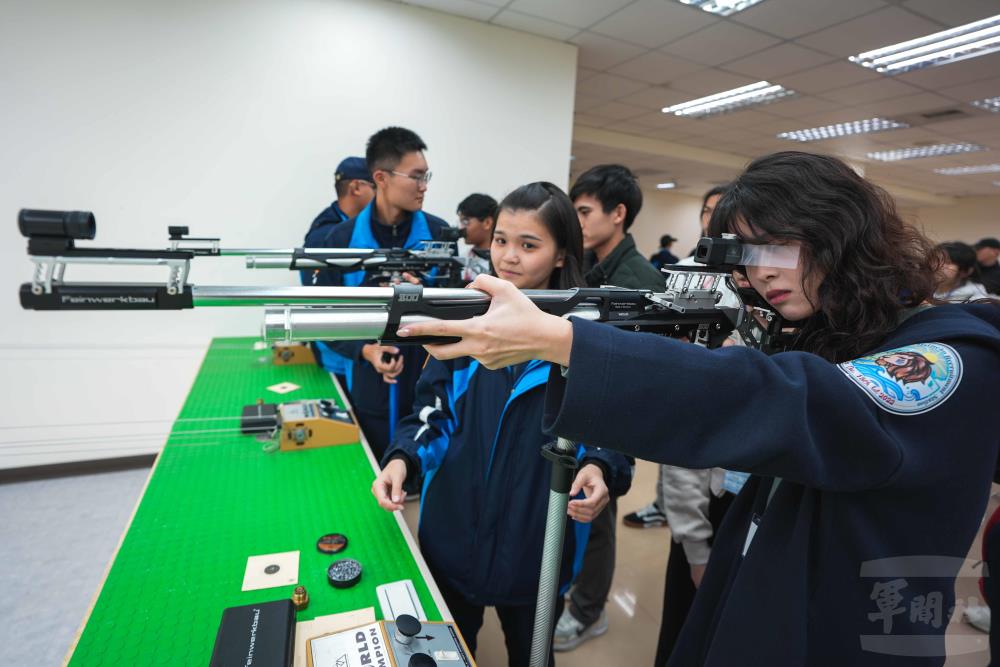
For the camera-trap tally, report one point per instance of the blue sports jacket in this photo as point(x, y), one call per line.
point(871, 478)
point(369, 393)
point(474, 443)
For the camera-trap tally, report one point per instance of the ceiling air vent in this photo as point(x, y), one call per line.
point(931, 116)
point(943, 114)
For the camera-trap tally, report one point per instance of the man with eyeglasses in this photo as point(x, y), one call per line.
point(381, 378)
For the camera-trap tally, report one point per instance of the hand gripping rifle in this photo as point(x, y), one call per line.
point(701, 303)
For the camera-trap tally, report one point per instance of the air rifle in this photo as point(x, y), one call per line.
point(697, 302)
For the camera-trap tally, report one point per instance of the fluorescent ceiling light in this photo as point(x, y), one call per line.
point(966, 171)
point(924, 151)
point(941, 48)
point(990, 104)
point(669, 185)
point(843, 129)
point(761, 92)
point(721, 7)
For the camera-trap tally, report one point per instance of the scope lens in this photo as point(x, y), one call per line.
point(57, 224)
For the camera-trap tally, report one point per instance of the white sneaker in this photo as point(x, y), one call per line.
point(570, 632)
point(647, 517)
point(978, 617)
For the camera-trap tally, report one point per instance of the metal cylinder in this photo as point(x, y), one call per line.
point(279, 262)
point(548, 578)
point(307, 324)
point(319, 296)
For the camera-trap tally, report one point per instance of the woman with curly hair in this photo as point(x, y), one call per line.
point(867, 489)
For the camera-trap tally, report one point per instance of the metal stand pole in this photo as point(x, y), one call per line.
point(562, 453)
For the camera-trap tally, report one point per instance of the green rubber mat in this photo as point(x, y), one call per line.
point(215, 498)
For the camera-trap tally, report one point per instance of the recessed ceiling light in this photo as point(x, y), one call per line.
point(941, 48)
point(966, 171)
point(990, 104)
point(761, 92)
point(843, 129)
point(924, 151)
point(669, 185)
point(721, 7)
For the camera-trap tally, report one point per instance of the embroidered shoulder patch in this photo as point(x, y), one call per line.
point(909, 380)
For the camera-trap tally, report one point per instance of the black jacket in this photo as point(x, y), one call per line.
point(885, 464)
point(624, 267)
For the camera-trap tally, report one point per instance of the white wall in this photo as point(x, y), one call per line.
point(665, 212)
point(229, 116)
point(970, 219)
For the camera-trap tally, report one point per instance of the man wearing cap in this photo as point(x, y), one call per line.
point(987, 256)
point(664, 256)
point(355, 188)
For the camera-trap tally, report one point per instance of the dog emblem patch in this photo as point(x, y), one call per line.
point(909, 380)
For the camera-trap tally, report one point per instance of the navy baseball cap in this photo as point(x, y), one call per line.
point(352, 168)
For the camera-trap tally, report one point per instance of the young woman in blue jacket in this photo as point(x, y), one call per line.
point(474, 443)
point(870, 454)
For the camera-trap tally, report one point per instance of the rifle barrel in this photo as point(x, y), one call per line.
point(320, 296)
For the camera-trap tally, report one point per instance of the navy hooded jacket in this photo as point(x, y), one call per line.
point(883, 467)
point(475, 438)
point(369, 393)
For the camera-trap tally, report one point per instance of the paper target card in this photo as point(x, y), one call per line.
point(283, 387)
point(271, 571)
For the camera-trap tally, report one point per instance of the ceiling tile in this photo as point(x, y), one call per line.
point(656, 68)
point(655, 98)
point(583, 73)
point(468, 8)
point(954, 13)
point(908, 137)
point(653, 23)
point(589, 121)
point(900, 106)
point(797, 107)
point(791, 18)
point(616, 111)
point(630, 127)
point(736, 120)
point(881, 28)
point(778, 125)
point(659, 120)
point(534, 25)
point(600, 52)
point(667, 134)
point(827, 77)
point(579, 13)
point(970, 92)
point(719, 43)
point(585, 103)
point(872, 91)
point(982, 123)
point(777, 61)
point(964, 71)
point(710, 81)
point(609, 87)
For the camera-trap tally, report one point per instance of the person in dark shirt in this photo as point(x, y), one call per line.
point(354, 187)
point(607, 200)
point(477, 215)
point(664, 257)
point(381, 378)
point(988, 257)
